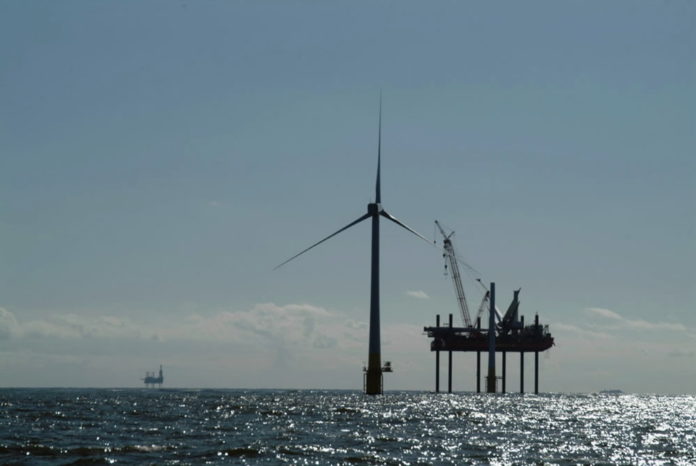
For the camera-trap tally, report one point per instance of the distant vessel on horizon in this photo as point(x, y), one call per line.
point(151, 380)
point(614, 391)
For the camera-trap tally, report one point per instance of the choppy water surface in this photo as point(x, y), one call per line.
point(65, 426)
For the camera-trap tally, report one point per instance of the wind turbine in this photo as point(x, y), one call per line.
point(373, 382)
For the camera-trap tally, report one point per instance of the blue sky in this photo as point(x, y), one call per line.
point(158, 159)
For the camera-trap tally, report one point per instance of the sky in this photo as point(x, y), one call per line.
point(158, 159)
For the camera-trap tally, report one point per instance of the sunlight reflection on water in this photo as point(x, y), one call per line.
point(338, 427)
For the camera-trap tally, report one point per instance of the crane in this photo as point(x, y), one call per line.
point(451, 258)
point(484, 303)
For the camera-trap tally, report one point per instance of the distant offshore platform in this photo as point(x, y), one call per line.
point(150, 379)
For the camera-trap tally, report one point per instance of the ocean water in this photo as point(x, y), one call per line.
point(162, 426)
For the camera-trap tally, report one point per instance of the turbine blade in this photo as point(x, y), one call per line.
point(385, 214)
point(368, 215)
point(378, 187)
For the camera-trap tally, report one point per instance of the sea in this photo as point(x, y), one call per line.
point(171, 426)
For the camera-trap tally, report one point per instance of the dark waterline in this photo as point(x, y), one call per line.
point(140, 426)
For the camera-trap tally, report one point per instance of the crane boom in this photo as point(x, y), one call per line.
point(451, 258)
point(484, 303)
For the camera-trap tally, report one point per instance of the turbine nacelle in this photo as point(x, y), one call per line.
point(374, 208)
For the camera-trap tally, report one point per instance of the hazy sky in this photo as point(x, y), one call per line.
point(159, 158)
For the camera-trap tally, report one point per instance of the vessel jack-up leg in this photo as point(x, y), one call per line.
point(491, 343)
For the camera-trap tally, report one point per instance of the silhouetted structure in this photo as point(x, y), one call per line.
point(510, 337)
point(151, 380)
point(509, 334)
point(373, 372)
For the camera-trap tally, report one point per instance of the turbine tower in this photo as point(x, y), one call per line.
point(373, 385)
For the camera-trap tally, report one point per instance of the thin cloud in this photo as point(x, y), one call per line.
point(604, 313)
point(68, 326)
point(585, 333)
point(8, 324)
point(645, 325)
point(290, 327)
point(636, 324)
point(418, 294)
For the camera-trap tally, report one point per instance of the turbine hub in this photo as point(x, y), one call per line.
point(374, 208)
